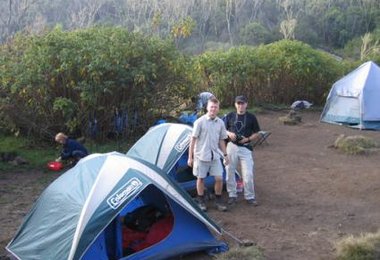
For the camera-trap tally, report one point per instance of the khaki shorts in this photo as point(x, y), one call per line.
point(201, 168)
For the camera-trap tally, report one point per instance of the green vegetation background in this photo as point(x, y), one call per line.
point(67, 81)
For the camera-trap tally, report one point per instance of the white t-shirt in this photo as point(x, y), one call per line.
point(208, 133)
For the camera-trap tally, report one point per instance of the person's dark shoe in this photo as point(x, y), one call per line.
point(232, 200)
point(202, 206)
point(209, 195)
point(252, 202)
point(220, 206)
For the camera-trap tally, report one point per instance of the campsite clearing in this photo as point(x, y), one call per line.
point(310, 194)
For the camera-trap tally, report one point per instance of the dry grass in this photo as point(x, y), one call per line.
point(356, 144)
point(242, 253)
point(287, 121)
point(292, 118)
point(364, 247)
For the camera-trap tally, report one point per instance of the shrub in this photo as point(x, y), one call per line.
point(65, 81)
point(277, 73)
point(355, 144)
point(363, 247)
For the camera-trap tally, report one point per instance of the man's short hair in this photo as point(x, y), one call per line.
point(60, 136)
point(213, 100)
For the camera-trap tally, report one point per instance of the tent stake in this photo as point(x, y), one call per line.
point(244, 243)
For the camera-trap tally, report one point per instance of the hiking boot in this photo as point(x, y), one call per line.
point(252, 202)
point(202, 206)
point(232, 200)
point(209, 195)
point(220, 206)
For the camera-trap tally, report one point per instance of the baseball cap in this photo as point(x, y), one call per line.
point(241, 99)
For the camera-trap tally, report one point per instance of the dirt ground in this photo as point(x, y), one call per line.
point(310, 194)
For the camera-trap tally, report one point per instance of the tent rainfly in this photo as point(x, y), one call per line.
point(168, 150)
point(354, 100)
point(78, 216)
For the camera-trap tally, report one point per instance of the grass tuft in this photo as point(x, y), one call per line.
point(364, 247)
point(242, 253)
point(356, 144)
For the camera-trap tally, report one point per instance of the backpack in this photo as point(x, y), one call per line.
point(142, 218)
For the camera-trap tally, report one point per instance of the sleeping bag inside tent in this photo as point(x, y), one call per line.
point(110, 206)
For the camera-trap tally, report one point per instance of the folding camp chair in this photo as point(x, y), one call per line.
point(264, 135)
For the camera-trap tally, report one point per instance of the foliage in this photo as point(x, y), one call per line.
point(365, 246)
point(369, 47)
point(183, 28)
point(280, 72)
point(63, 81)
point(255, 33)
point(107, 82)
point(327, 24)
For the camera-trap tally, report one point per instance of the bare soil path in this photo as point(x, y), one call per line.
point(310, 195)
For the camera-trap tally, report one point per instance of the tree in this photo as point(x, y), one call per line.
point(15, 16)
point(255, 33)
point(182, 29)
point(288, 26)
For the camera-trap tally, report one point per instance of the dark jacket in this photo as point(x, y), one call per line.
point(73, 148)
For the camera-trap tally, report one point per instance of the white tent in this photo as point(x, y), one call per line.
point(354, 100)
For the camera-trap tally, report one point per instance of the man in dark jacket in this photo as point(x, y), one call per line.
point(72, 149)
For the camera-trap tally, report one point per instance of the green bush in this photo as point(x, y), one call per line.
point(59, 81)
point(277, 73)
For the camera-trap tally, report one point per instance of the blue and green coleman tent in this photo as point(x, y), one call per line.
point(78, 216)
point(168, 146)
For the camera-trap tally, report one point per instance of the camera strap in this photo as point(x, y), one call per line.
point(240, 129)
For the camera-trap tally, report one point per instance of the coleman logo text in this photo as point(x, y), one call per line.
point(123, 193)
point(182, 144)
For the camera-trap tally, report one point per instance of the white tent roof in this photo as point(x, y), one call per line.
point(354, 99)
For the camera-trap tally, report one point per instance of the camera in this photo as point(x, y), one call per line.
point(239, 138)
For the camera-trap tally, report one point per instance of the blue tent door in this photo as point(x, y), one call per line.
point(188, 233)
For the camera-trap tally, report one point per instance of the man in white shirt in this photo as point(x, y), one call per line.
point(209, 133)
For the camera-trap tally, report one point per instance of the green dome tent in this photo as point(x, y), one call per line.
point(77, 216)
point(168, 150)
